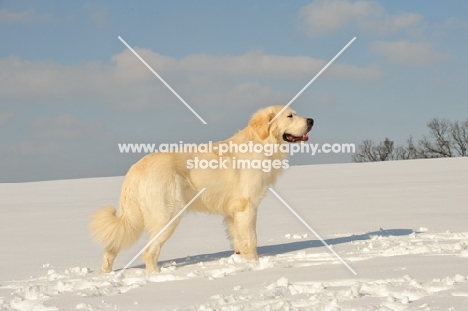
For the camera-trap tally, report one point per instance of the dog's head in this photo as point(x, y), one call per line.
point(288, 127)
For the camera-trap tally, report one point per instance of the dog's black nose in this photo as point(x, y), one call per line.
point(310, 122)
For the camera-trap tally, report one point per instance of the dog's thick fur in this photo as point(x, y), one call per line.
point(158, 186)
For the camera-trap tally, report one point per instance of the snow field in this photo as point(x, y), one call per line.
point(401, 226)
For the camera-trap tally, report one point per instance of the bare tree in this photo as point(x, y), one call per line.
point(445, 139)
point(369, 152)
point(459, 133)
point(437, 144)
point(386, 150)
point(366, 152)
point(408, 152)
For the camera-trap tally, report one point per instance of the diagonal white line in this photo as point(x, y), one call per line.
point(162, 80)
point(313, 231)
point(310, 82)
point(160, 232)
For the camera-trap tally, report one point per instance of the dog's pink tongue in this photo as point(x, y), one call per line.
point(305, 137)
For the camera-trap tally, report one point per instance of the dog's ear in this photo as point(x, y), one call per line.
point(260, 123)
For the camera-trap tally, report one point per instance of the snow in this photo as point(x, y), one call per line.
point(402, 226)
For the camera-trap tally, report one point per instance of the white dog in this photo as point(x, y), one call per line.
point(158, 186)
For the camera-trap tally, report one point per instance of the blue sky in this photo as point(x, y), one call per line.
point(70, 90)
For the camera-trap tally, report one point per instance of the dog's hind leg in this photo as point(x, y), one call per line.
point(108, 260)
point(116, 232)
point(162, 205)
point(151, 254)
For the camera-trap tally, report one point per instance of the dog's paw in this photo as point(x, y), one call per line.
point(150, 270)
point(105, 270)
point(249, 256)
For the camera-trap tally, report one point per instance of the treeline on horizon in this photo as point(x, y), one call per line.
point(445, 139)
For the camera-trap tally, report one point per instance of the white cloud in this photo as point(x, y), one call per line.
point(454, 23)
point(389, 24)
point(126, 83)
point(408, 53)
point(24, 16)
point(322, 16)
point(6, 117)
point(326, 16)
point(96, 12)
point(270, 66)
point(99, 17)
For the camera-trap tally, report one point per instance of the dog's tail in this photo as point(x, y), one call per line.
point(116, 232)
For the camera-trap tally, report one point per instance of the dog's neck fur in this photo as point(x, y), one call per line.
point(248, 134)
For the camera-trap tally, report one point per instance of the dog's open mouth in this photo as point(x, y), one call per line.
point(292, 139)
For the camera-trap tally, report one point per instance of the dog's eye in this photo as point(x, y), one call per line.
point(290, 116)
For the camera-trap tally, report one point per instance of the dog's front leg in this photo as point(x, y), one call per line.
point(244, 231)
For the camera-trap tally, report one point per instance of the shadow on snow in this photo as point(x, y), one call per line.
point(272, 250)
